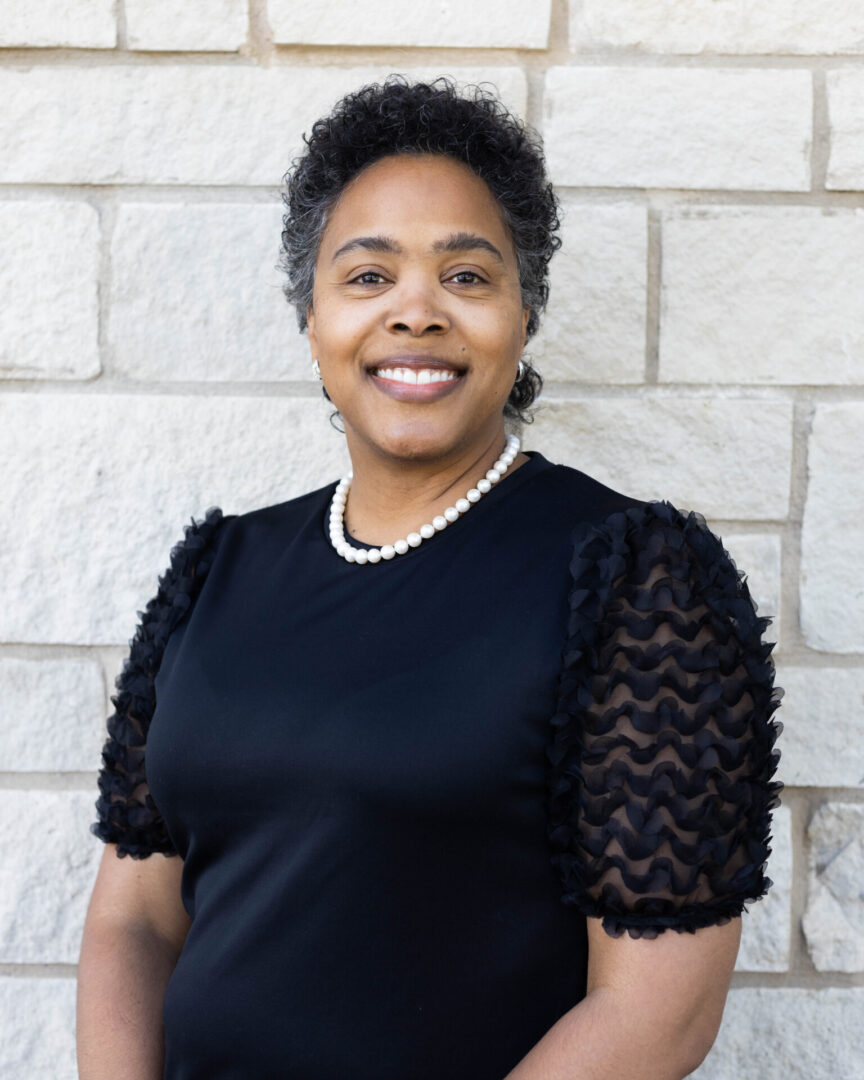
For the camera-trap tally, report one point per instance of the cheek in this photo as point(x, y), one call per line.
point(340, 326)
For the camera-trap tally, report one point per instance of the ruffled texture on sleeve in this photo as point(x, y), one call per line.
point(662, 755)
point(127, 815)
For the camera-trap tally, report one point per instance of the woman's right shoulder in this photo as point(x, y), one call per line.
point(287, 508)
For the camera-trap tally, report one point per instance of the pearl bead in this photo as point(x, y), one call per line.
point(336, 517)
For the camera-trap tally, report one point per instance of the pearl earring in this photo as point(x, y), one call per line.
point(316, 370)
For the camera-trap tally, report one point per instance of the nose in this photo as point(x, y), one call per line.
point(416, 309)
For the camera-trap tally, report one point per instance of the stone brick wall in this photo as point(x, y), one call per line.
point(705, 344)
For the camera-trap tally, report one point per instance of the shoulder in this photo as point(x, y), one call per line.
point(281, 516)
point(665, 551)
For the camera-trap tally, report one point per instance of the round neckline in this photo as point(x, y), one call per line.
point(507, 484)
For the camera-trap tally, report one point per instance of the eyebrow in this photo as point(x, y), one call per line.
point(461, 241)
point(465, 241)
point(383, 244)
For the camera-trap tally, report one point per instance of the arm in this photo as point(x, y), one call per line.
point(660, 792)
point(133, 934)
point(652, 1011)
point(136, 923)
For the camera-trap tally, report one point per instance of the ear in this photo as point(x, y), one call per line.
point(310, 330)
point(526, 315)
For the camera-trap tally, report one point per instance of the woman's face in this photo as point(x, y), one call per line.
point(417, 317)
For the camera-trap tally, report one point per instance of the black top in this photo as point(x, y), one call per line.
point(399, 789)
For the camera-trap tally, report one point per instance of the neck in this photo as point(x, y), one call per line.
point(391, 497)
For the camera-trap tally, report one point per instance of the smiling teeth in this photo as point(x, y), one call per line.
point(411, 375)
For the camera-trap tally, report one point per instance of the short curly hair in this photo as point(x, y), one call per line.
point(401, 117)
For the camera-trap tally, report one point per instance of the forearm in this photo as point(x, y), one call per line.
point(122, 976)
point(608, 1036)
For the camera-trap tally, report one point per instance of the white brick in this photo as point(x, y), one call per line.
point(719, 26)
point(176, 123)
point(484, 24)
point(832, 532)
point(726, 458)
point(48, 864)
point(767, 923)
point(37, 1028)
point(757, 555)
point(52, 715)
point(788, 1033)
point(217, 25)
point(49, 266)
point(77, 23)
point(678, 127)
point(834, 920)
point(822, 743)
point(126, 474)
point(594, 328)
point(793, 278)
point(846, 120)
point(181, 311)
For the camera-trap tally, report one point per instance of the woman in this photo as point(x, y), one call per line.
point(467, 757)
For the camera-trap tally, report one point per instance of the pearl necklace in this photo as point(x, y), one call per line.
point(388, 551)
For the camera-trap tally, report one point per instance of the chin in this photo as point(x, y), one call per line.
point(418, 444)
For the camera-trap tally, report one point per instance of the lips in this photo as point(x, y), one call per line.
point(416, 377)
point(417, 360)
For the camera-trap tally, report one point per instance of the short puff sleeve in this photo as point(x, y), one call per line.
point(127, 814)
point(662, 753)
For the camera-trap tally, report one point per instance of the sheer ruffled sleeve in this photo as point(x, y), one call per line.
point(127, 815)
point(662, 754)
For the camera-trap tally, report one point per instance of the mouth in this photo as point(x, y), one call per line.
point(416, 378)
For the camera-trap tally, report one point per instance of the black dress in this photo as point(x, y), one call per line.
point(399, 789)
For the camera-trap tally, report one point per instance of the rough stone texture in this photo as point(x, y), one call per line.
point(218, 25)
point(786, 1033)
point(793, 277)
point(78, 23)
point(508, 24)
point(832, 532)
point(846, 121)
point(757, 556)
point(177, 123)
point(594, 330)
point(678, 127)
point(52, 715)
point(49, 265)
point(48, 864)
point(719, 26)
point(834, 920)
point(179, 312)
point(127, 473)
point(37, 1029)
point(767, 923)
point(823, 735)
point(726, 458)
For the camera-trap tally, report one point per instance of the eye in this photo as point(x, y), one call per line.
point(467, 277)
point(363, 279)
